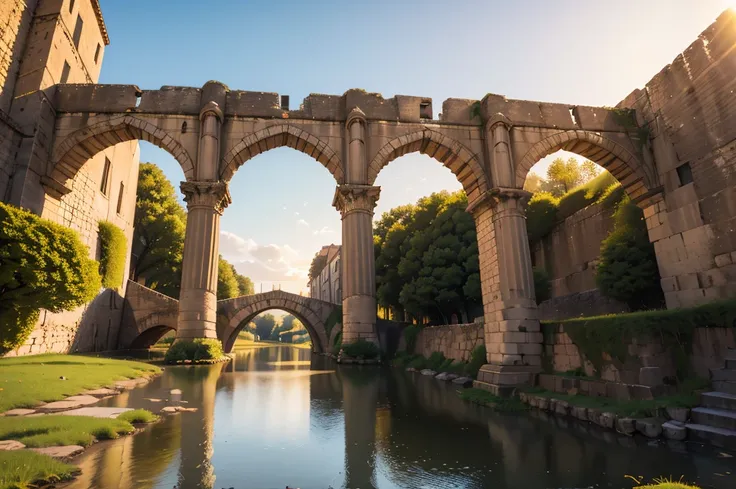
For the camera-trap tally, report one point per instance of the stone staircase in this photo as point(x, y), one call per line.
point(714, 421)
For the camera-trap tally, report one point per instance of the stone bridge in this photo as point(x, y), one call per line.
point(148, 315)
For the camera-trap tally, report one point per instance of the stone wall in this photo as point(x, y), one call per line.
point(690, 112)
point(569, 254)
point(455, 341)
point(710, 346)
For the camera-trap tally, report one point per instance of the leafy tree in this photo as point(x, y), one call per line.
point(264, 325)
point(113, 252)
point(43, 265)
point(245, 284)
point(158, 238)
point(533, 182)
point(565, 175)
point(227, 284)
point(319, 262)
point(628, 267)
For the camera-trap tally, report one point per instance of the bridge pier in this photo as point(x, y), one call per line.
point(513, 336)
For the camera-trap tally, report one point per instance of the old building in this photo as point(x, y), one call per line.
point(326, 286)
point(44, 43)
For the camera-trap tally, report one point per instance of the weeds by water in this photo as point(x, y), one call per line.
point(485, 398)
point(20, 469)
point(138, 416)
point(60, 430)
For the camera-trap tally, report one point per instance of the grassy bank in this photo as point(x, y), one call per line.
point(21, 469)
point(28, 381)
point(485, 398)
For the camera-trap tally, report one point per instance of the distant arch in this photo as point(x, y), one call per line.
point(80, 146)
point(626, 167)
point(240, 311)
point(278, 136)
point(463, 163)
point(150, 337)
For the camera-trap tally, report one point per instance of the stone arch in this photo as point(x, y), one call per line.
point(311, 312)
point(74, 151)
point(463, 163)
point(149, 337)
point(278, 136)
point(624, 165)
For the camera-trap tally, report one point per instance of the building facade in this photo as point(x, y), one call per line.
point(326, 286)
point(44, 43)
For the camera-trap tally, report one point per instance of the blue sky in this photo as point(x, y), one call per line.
point(570, 51)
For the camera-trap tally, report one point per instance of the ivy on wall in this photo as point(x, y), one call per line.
point(113, 250)
point(43, 265)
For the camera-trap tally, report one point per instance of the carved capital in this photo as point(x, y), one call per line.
point(213, 195)
point(498, 195)
point(355, 115)
point(495, 119)
point(211, 108)
point(351, 198)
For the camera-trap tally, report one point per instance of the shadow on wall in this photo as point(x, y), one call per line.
point(100, 322)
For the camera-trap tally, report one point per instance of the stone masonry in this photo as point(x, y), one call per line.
point(455, 341)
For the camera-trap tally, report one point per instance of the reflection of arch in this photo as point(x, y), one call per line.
point(239, 311)
point(457, 158)
point(149, 337)
point(83, 144)
point(619, 161)
point(275, 137)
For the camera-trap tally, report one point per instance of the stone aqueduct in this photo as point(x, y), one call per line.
point(489, 145)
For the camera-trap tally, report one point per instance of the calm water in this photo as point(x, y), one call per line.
point(279, 416)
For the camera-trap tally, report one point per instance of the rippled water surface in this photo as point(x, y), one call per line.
point(278, 416)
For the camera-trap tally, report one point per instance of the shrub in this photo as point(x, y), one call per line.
point(435, 360)
point(541, 284)
point(195, 350)
point(361, 349)
point(628, 269)
point(418, 362)
point(43, 265)
point(410, 336)
point(138, 416)
point(113, 251)
point(584, 195)
point(477, 360)
point(541, 215)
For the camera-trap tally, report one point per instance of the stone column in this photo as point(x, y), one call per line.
point(356, 204)
point(512, 332)
point(198, 293)
point(206, 199)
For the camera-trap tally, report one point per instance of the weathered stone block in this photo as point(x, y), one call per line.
point(649, 427)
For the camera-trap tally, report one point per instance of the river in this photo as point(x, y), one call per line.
point(278, 416)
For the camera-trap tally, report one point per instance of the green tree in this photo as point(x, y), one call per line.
point(565, 175)
point(264, 325)
point(319, 262)
point(533, 182)
point(227, 284)
point(42, 265)
point(628, 269)
point(245, 284)
point(158, 238)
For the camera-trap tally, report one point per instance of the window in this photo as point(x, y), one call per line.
point(97, 52)
point(65, 73)
point(685, 174)
point(105, 177)
point(120, 197)
point(71, 6)
point(78, 31)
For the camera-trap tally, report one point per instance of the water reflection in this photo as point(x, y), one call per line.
point(278, 416)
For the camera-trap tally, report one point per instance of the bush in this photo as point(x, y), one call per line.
point(477, 360)
point(361, 349)
point(541, 284)
point(541, 215)
point(581, 197)
point(435, 360)
point(138, 416)
point(628, 269)
point(113, 251)
point(43, 265)
point(418, 362)
point(198, 350)
point(410, 336)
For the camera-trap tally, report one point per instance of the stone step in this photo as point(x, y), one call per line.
point(723, 374)
point(719, 418)
point(718, 400)
point(708, 434)
point(725, 386)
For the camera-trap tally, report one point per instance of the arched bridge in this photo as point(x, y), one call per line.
point(149, 315)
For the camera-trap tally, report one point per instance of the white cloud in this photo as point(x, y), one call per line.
point(305, 203)
point(296, 213)
point(324, 230)
point(268, 264)
point(284, 207)
point(303, 222)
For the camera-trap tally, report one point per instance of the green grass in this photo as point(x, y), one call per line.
point(20, 469)
point(60, 430)
point(485, 398)
point(138, 416)
point(28, 381)
point(663, 483)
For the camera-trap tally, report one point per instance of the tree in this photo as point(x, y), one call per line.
point(264, 324)
point(628, 269)
point(319, 262)
point(158, 238)
point(533, 182)
point(245, 284)
point(227, 284)
point(43, 265)
point(565, 175)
